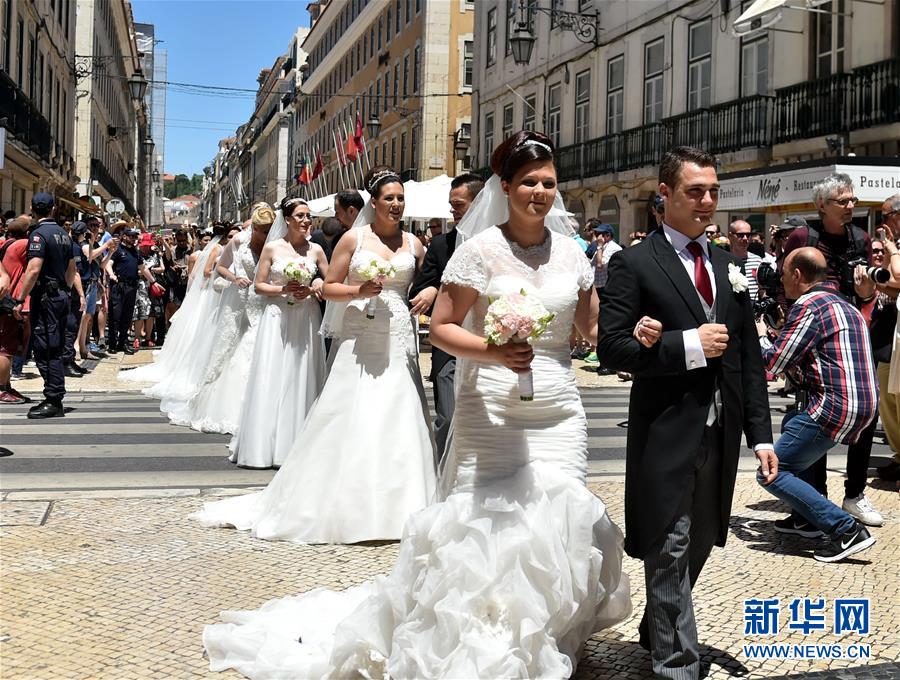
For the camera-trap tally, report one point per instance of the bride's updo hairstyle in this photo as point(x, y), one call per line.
point(378, 177)
point(288, 203)
point(262, 214)
point(524, 147)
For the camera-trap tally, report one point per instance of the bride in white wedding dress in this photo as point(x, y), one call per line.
point(359, 482)
point(216, 407)
point(519, 564)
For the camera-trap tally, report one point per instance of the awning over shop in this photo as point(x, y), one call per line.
point(770, 189)
point(81, 204)
point(761, 14)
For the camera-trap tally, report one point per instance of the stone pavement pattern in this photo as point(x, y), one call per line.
point(96, 585)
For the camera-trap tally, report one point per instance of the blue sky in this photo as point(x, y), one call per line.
point(214, 42)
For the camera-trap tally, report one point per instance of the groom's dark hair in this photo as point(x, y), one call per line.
point(674, 159)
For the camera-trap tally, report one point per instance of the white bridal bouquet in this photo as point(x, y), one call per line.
point(299, 271)
point(378, 271)
point(517, 317)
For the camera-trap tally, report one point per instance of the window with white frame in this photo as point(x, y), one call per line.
point(615, 95)
point(491, 43)
point(554, 112)
point(654, 60)
point(468, 59)
point(755, 67)
point(488, 136)
point(508, 112)
point(582, 106)
point(529, 112)
point(828, 35)
point(699, 64)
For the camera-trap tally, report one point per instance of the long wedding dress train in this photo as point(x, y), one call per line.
point(182, 331)
point(515, 569)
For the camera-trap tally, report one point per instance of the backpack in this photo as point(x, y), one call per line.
point(857, 238)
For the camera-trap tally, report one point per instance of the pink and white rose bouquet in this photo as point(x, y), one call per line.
point(517, 317)
point(378, 271)
point(299, 271)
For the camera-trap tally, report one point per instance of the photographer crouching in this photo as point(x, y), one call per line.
point(847, 251)
point(825, 340)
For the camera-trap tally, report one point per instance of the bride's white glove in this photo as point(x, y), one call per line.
point(647, 331)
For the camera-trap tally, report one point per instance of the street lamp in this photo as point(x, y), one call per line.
point(138, 85)
point(374, 126)
point(460, 147)
point(158, 191)
point(586, 28)
point(521, 43)
point(154, 176)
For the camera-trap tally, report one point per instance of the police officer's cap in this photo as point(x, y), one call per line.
point(42, 201)
point(79, 228)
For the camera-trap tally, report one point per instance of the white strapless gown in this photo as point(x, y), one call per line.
point(217, 405)
point(515, 569)
point(181, 332)
point(364, 460)
point(285, 376)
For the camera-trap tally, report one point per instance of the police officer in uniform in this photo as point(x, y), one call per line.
point(76, 303)
point(48, 277)
point(124, 266)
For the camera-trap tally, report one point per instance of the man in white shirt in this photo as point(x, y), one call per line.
point(606, 248)
point(739, 234)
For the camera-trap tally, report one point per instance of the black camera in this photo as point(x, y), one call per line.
point(878, 274)
point(768, 279)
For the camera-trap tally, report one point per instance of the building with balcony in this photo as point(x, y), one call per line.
point(404, 67)
point(112, 124)
point(37, 95)
point(819, 83)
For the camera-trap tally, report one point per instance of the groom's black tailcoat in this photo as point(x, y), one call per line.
point(670, 405)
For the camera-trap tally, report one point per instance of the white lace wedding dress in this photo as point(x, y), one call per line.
point(364, 460)
point(217, 405)
point(515, 569)
point(285, 376)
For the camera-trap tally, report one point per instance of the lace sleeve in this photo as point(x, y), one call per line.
point(466, 268)
point(581, 265)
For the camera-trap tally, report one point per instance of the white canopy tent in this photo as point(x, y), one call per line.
point(424, 200)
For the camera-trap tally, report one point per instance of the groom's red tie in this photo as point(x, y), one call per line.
point(701, 276)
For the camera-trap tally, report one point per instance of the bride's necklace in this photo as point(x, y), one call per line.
point(507, 234)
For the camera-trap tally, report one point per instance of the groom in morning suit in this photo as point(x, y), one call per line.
point(695, 391)
point(463, 190)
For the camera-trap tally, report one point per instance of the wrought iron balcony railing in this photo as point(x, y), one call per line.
point(24, 119)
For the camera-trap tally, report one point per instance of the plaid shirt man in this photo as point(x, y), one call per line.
point(827, 339)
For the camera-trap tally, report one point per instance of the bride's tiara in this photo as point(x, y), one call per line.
point(534, 142)
point(379, 176)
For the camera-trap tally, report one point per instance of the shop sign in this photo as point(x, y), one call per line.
point(871, 183)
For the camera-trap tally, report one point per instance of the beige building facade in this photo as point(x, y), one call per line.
point(111, 127)
point(37, 95)
point(667, 73)
point(404, 65)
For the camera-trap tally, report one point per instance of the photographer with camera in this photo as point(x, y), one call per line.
point(848, 253)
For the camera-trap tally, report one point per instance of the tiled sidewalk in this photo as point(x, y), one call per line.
point(104, 586)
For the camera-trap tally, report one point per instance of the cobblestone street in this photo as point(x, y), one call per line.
point(119, 584)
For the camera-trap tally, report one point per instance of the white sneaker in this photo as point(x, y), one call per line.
point(863, 510)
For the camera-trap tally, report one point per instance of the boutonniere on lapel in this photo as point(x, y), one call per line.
point(736, 278)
